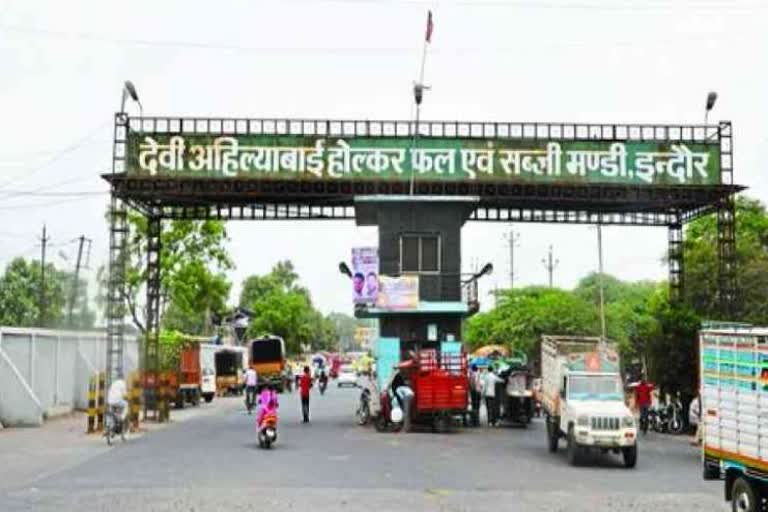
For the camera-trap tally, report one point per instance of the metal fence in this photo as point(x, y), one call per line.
point(45, 372)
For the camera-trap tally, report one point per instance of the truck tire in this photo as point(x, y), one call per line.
point(630, 456)
point(573, 448)
point(552, 437)
point(208, 397)
point(743, 496)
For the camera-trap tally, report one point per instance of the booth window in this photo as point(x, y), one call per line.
point(420, 253)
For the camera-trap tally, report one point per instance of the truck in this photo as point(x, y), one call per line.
point(208, 370)
point(583, 398)
point(733, 381)
point(230, 363)
point(267, 357)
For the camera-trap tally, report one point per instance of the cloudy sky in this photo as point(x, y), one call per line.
point(614, 61)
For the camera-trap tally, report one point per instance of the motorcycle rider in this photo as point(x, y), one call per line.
point(116, 398)
point(267, 404)
point(251, 383)
point(404, 395)
point(322, 378)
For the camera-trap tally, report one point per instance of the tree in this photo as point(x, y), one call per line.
point(192, 259)
point(20, 295)
point(701, 264)
point(522, 315)
point(282, 307)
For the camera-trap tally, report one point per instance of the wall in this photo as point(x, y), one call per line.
point(44, 372)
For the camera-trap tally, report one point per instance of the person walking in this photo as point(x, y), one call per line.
point(475, 394)
point(305, 384)
point(490, 380)
point(643, 401)
point(251, 385)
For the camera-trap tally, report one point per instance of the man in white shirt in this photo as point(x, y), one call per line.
point(251, 384)
point(116, 397)
point(489, 380)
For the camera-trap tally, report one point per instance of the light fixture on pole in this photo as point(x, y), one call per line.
point(711, 99)
point(344, 269)
point(129, 90)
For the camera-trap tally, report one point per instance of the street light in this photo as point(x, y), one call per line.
point(344, 269)
point(129, 90)
point(711, 99)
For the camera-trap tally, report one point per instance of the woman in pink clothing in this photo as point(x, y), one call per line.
point(267, 403)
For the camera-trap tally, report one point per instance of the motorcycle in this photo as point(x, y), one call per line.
point(390, 416)
point(250, 401)
point(323, 384)
point(267, 432)
point(363, 412)
point(113, 424)
point(667, 418)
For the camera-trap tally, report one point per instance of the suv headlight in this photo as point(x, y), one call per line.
point(628, 422)
point(583, 420)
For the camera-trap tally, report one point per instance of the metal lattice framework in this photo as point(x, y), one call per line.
point(161, 198)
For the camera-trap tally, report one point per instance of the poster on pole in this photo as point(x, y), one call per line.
point(365, 275)
point(398, 292)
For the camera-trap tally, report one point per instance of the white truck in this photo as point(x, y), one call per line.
point(583, 397)
point(734, 411)
point(208, 370)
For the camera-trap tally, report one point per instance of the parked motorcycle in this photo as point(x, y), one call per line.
point(113, 424)
point(267, 431)
point(363, 412)
point(667, 418)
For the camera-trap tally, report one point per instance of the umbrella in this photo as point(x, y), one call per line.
point(488, 350)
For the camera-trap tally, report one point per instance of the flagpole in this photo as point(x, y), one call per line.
point(418, 93)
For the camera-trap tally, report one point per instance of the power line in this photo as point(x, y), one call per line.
point(57, 156)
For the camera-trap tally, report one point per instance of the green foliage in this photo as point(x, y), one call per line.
point(193, 259)
point(20, 295)
point(701, 264)
point(170, 345)
point(284, 308)
point(523, 315)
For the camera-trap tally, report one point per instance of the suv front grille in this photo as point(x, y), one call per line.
point(605, 423)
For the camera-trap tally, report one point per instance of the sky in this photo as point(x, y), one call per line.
point(62, 65)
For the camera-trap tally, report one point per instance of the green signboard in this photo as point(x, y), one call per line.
point(301, 157)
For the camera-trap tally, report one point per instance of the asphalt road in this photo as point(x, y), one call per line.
point(212, 462)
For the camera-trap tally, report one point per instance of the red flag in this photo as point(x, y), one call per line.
point(429, 27)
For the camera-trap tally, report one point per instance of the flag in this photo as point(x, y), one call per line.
point(429, 27)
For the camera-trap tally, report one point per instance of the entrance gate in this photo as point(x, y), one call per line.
point(273, 169)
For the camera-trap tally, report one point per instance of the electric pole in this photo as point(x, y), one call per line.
point(550, 265)
point(76, 282)
point(512, 239)
point(42, 306)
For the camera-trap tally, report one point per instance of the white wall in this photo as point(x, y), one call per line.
point(44, 371)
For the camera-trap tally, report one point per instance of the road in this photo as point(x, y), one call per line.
point(211, 462)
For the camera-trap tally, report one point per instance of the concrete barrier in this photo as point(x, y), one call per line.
point(45, 372)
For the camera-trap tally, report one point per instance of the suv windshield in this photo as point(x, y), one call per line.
point(595, 387)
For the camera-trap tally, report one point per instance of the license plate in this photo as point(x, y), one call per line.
point(606, 441)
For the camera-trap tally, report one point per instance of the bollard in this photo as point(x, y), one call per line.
point(91, 405)
point(100, 402)
point(134, 401)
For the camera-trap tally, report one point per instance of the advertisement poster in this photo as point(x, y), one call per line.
point(365, 275)
point(398, 292)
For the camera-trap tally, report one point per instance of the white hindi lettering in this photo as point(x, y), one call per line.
point(474, 161)
point(227, 156)
point(154, 157)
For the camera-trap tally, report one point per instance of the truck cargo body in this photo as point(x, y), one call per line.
point(734, 412)
point(267, 357)
point(229, 364)
point(208, 370)
point(582, 396)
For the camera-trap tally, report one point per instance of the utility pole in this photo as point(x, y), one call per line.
point(600, 277)
point(76, 282)
point(42, 305)
point(512, 239)
point(550, 265)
